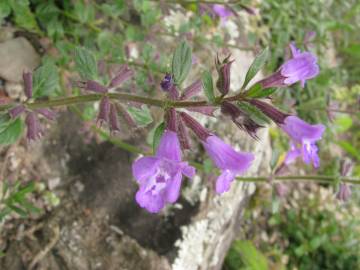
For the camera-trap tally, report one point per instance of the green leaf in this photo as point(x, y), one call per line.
point(181, 63)
point(17, 210)
point(256, 65)
point(5, 9)
point(254, 113)
point(86, 64)
point(208, 86)
point(46, 80)
point(157, 135)
point(12, 132)
point(350, 149)
point(23, 16)
point(256, 91)
point(343, 123)
point(252, 258)
point(141, 116)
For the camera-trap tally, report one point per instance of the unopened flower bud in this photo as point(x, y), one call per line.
point(28, 84)
point(94, 86)
point(241, 119)
point(123, 74)
point(49, 114)
point(274, 114)
point(192, 90)
point(16, 111)
point(183, 134)
point(171, 119)
point(34, 130)
point(195, 126)
point(344, 193)
point(104, 111)
point(113, 119)
point(223, 68)
point(167, 83)
point(205, 110)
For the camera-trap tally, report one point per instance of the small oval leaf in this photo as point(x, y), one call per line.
point(181, 63)
point(208, 85)
point(256, 65)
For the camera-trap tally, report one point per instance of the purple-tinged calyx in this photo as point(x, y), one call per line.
point(16, 111)
point(28, 84)
point(167, 83)
point(160, 176)
point(93, 86)
point(301, 67)
point(344, 193)
point(205, 110)
point(230, 162)
point(104, 111)
point(113, 119)
point(182, 133)
point(201, 132)
point(273, 113)
point(240, 118)
point(170, 120)
point(223, 69)
point(47, 113)
point(34, 130)
point(303, 140)
point(192, 90)
point(123, 75)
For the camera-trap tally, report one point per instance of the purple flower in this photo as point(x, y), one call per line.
point(166, 83)
point(222, 11)
point(301, 67)
point(160, 176)
point(230, 162)
point(303, 138)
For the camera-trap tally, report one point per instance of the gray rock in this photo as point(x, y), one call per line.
point(16, 56)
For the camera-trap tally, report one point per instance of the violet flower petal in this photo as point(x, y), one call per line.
point(144, 167)
point(169, 147)
point(223, 182)
point(225, 157)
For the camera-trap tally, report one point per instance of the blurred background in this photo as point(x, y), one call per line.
point(307, 228)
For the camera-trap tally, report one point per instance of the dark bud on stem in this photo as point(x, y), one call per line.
point(183, 134)
point(167, 83)
point(104, 111)
point(113, 119)
point(192, 90)
point(16, 111)
point(123, 75)
point(49, 114)
point(170, 119)
point(201, 132)
point(273, 113)
point(28, 83)
point(34, 130)
point(93, 86)
point(223, 69)
point(240, 119)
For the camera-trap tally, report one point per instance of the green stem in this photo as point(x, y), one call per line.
point(122, 97)
point(316, 178)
